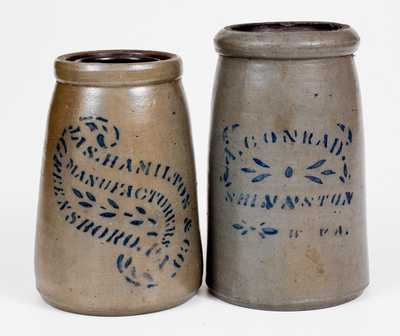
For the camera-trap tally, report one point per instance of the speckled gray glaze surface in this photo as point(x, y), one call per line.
point(287, 224)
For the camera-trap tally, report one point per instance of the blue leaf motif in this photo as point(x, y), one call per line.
point(269, 231)
point(317, 164)
point(136, 222)
point(85, 204)
point(108, 214)
point(260, 177)
point(328, 172)
point(141, 210)
point(248, 170)
point(91, 196)
point(237, 226)
point(113, 203)
point(77, 193)
point(314, 179)
point(261, 163)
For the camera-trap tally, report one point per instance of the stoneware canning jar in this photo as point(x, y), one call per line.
point(286, 177)
point(117, 228)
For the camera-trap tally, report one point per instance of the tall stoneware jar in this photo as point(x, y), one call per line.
point(117, 228)
point(286, 177)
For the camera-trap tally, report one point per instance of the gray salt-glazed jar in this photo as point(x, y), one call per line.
point(286, 177)
point(117, 228)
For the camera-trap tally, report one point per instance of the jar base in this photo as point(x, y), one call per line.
point(115, 312)
point(295, 306)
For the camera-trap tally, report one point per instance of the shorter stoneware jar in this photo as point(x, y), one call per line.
point(286, 204)
point(117, 228)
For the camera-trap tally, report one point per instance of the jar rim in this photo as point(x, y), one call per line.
point(117, 67)
point(287, 40)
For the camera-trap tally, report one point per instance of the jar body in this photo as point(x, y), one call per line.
point(117, 229)
point(286, 203)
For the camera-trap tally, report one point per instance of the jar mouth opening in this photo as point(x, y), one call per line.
point(119, 57)
point(280, 27)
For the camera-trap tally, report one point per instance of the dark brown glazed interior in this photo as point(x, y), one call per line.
point(116, 57)
point(287, 26)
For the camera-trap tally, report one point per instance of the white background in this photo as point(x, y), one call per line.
point(33, 33)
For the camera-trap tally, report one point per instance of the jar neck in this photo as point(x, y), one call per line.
point(117, 68)
point(287, 40)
